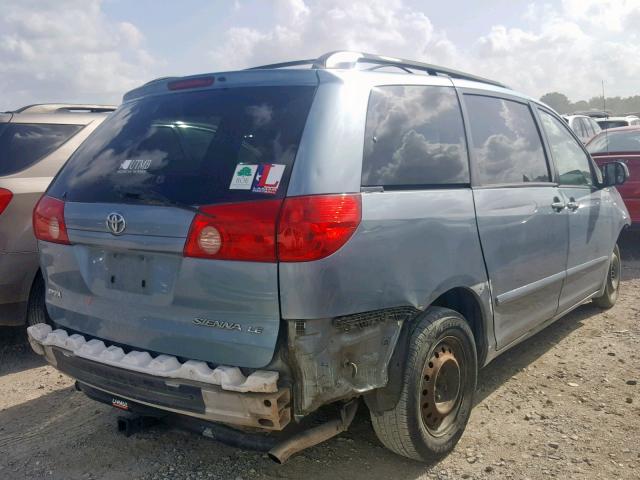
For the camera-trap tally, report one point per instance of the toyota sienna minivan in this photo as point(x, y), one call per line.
point(243, 248)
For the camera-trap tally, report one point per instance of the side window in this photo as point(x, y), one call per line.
point(578, 127)
point(414, 136)
point(505, 142)
point(23, 144)
point(586, 129)
point(571, 161)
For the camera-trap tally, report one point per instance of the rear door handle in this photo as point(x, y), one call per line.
point(558, 205)
point(572, 204)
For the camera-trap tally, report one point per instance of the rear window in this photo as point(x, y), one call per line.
point(23, 144)
point(194, 148)
point(414, 137)
point(604, 124)
point(615, 142)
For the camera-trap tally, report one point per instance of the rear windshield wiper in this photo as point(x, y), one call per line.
point(153, 198)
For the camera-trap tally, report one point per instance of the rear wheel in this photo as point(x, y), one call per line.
point(612, 286)
point(36, 308)
point(437, 391)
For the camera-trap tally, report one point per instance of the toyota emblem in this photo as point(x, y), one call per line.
point(115, 223)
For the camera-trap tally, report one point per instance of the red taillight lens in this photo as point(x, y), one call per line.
point(5, 198)
point(306, 228)
point(316, 226)
point(48, 221)
point(236, 231)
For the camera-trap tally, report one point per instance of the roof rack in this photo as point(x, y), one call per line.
point(64, 108)
point(345, 59)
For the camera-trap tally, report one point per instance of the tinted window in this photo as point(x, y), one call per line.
point(571, 161)
point(505, 142)
point(604, 124)
point(192, 147)
point(594, 125)
point(616, 142)
point(23, 144)
point(414, 136)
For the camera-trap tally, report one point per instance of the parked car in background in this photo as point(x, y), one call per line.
point(246, 247)
point(622, 144)
point(593, 113)
point(35, 141)
point(584, 127)
point(615, 122)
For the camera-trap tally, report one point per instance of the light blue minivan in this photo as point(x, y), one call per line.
point(243, 248)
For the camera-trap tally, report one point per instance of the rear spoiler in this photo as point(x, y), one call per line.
point(224, 79)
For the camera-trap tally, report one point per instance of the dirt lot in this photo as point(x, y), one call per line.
point(564, 404)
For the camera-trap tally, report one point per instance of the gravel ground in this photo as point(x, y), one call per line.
point(565, 404)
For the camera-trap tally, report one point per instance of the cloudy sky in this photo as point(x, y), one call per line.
point(95, 50)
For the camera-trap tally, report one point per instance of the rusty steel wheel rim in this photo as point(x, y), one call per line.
point(441, 390)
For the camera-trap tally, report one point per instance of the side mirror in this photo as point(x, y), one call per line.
point(614, 173)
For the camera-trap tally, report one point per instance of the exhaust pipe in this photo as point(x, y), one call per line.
point(308, 438)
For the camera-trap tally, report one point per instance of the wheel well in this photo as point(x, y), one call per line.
point(459, 299)
point(36, 278)
point(463, 301)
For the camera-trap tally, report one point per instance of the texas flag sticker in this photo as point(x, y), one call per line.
point(268, 178)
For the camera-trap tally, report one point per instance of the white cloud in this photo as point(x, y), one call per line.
point(570, 48)
point(306, 29)
point(67, 50)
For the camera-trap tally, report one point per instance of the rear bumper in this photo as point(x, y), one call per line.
point(16, 274)
point(222, 396)
point(17, 271)
point(321, 362)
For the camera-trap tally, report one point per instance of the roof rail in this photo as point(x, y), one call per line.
point(345, 59)
point(64, 108)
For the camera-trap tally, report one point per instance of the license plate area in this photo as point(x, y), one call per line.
point(127, 272)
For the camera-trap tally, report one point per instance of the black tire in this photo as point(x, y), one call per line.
point(612, 288)
point(36, 308)
point(405, 429)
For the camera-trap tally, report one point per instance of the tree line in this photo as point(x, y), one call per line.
point(615, 105)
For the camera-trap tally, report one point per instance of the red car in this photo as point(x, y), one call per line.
point(622, 144)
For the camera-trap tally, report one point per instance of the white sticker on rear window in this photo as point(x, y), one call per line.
point(243, 177)
point(268, 178)
point(134, 166)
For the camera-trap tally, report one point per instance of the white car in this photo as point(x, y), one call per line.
point(584, 127)
point(613, 122)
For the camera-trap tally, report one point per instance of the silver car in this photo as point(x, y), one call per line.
point(35, 141)
point(243, 248)
point(584, 127)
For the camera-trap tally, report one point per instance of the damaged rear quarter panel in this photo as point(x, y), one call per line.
point(410, 247)
point(339, 358)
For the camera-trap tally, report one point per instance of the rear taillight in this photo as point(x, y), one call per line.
point(316, 226)
point(306, 228)
point(5, 198)
point(48, 221)
point(236, 231)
